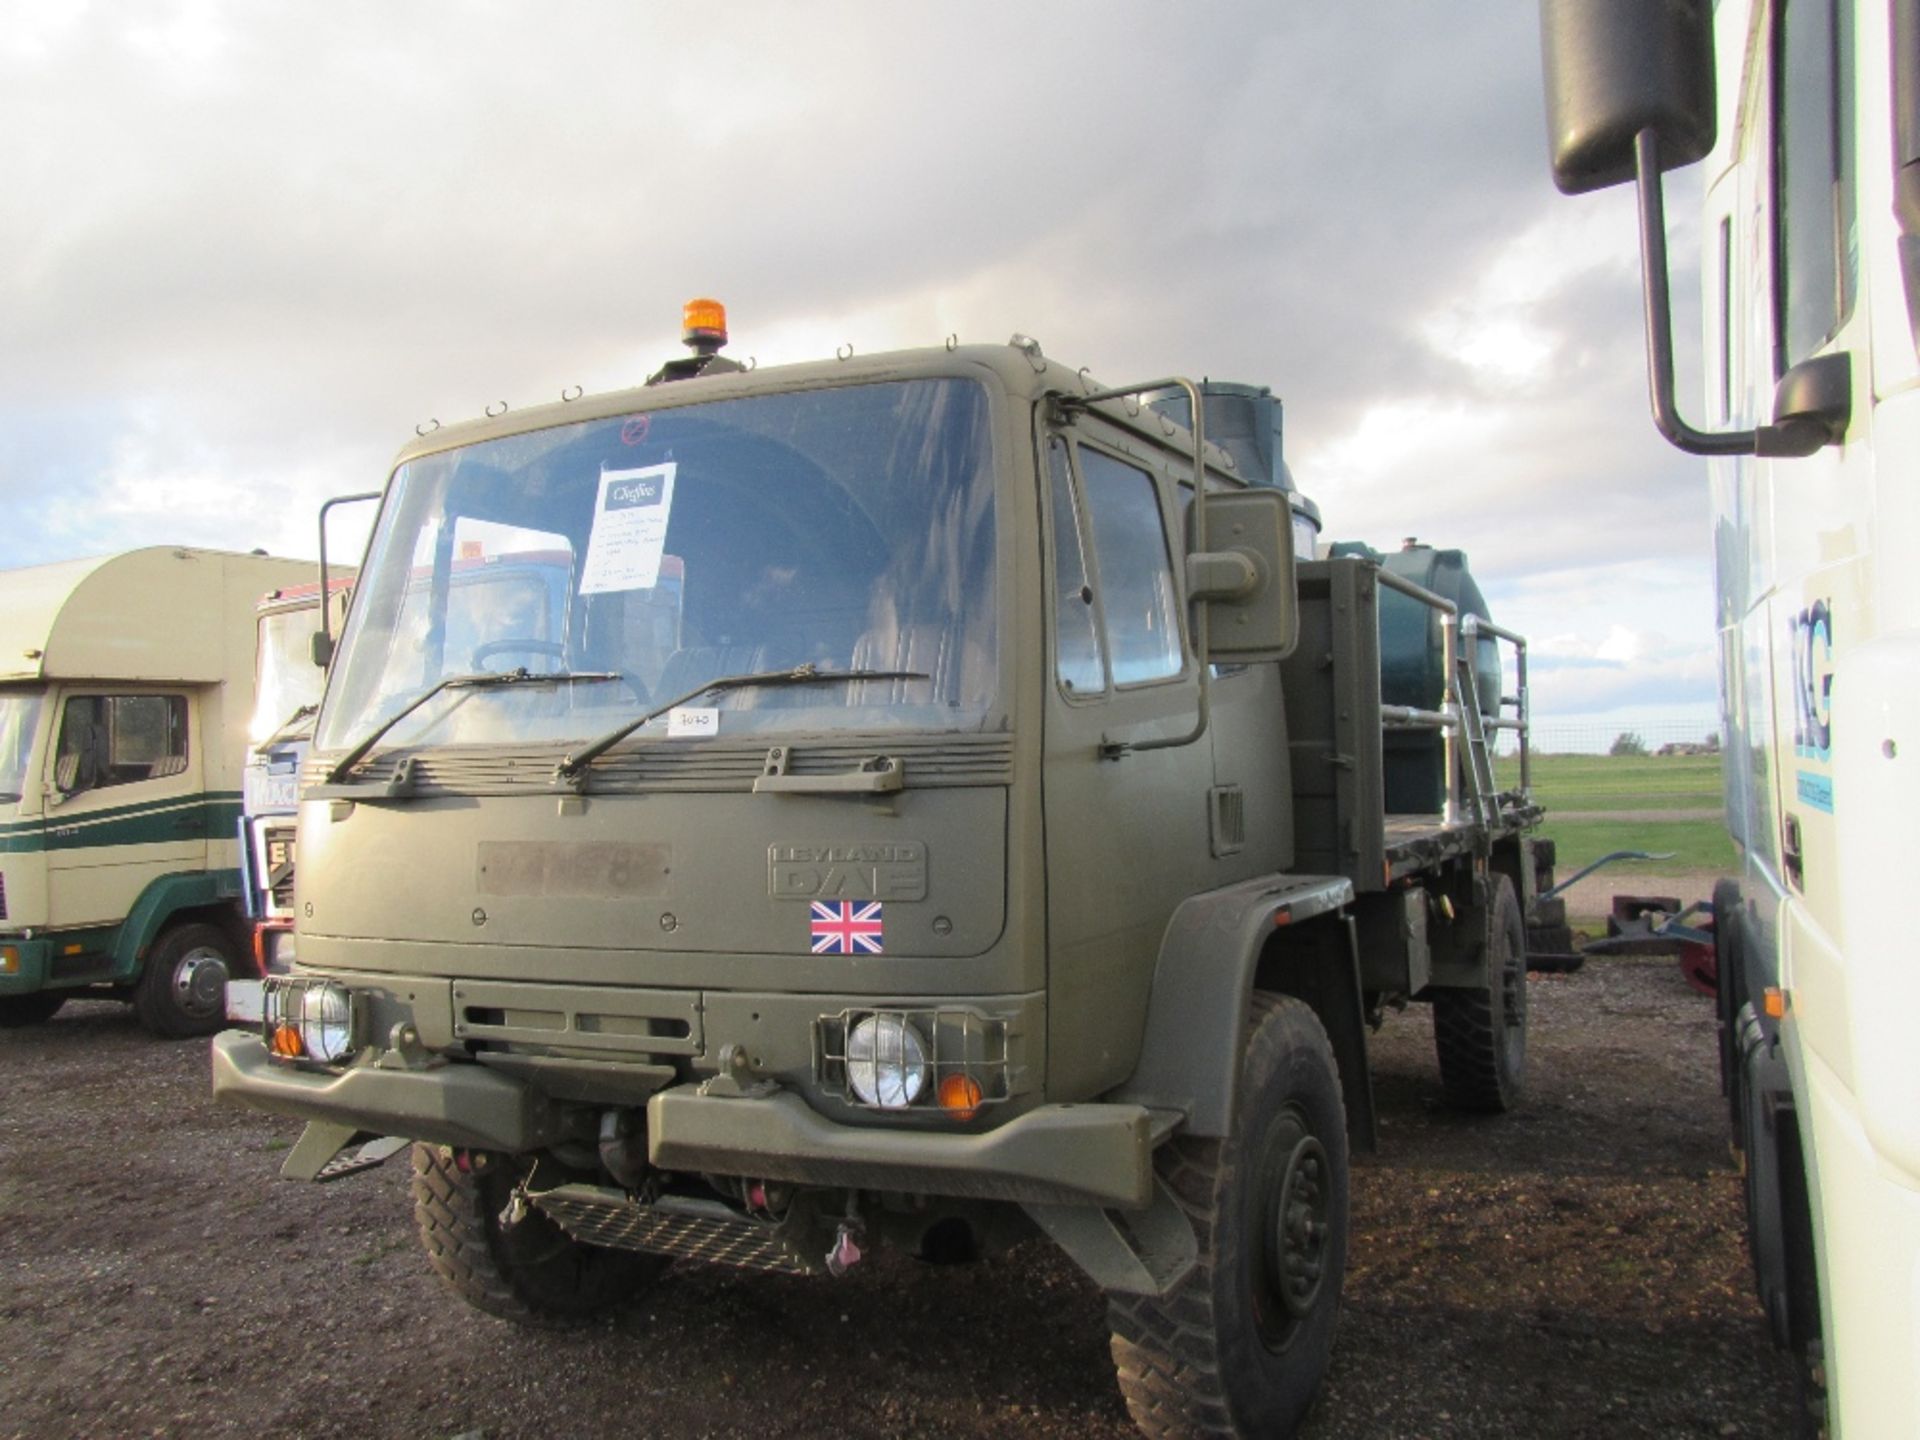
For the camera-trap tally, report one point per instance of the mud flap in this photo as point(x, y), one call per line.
point(1145, 1252)
point(321, 1154)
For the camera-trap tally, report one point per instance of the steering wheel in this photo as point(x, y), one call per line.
point(514, 645)
point(529, 646)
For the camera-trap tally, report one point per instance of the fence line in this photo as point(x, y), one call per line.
point(1598, 737)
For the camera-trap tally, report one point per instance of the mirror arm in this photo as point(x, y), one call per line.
point(1659, 313)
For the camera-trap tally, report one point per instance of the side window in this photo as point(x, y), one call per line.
point(1076, 642)
point(1813, 175)
point(118, 739)
point(1133, 568)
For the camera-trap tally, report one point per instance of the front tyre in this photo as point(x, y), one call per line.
point(1240, 1347)
point(182, 989)
point(1481, 1033)
point(531, 1272)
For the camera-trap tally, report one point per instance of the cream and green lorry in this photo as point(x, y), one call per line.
point(126, 683)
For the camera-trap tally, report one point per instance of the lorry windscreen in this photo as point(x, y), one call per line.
point(19, 714)
point(285, 677)
point(847, 529)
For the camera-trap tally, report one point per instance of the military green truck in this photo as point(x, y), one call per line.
point(947, 811)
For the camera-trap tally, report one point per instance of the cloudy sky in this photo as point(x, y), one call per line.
point(246, 247)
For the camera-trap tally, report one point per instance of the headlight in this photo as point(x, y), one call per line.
point(308, 1019)
point(326, 1023)
point(886, 1062)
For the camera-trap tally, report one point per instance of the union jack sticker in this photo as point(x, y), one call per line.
point(847, 927)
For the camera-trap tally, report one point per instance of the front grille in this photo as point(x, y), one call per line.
point(279, 848)
point(684, 1229)
point(649, 766)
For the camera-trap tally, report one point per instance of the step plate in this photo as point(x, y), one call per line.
point(711, 1234)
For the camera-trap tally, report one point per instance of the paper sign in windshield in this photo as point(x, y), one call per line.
point(629, 529)
point(692, 721)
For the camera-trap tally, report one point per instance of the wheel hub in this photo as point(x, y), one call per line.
point(200, 981)
point(1301, 1224)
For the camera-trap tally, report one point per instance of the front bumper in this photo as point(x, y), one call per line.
point(1052, 1154)
point(1060, 1154)
point(448, 1104)
point(23, 966)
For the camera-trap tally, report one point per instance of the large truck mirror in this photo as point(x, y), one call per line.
point(320, 647)
point(1246, 577)
point(1617, 67)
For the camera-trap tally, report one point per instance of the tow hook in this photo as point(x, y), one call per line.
point(516, 1208)
point(845, 1253)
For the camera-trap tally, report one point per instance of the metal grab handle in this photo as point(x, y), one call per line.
point(878, 776)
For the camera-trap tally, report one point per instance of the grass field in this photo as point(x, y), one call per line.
point(1600, 803)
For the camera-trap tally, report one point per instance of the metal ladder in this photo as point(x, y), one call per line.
point(1479, 761)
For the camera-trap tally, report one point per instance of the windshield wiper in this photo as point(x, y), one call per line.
point(575, 765)
point(286, 729)
point(480, 680)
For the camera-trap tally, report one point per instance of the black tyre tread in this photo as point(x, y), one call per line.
point(1164, 1350)
point(1467, 1030)
point(1463, 1031)
point(450, 1211)
point(19, 1011)
point(153, 1003)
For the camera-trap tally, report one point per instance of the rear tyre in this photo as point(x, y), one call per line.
point(18, 1011)
point(182, 989)
point(531, 1272)
point(1240, 1347)
point(1481, 1033)
point(1729, 997)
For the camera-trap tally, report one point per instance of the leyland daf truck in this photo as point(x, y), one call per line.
point(125, 687)
point(947, 812)
point(1806, 114)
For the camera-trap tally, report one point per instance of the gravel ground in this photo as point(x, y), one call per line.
point(1573, 1270)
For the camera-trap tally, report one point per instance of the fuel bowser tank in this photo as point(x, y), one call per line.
point(1413, 666)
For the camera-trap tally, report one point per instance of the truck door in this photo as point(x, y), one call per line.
point(1820, 607)
point(1126, 836)
point(125, 800)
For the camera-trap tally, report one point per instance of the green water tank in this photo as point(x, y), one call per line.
point(1413, 666)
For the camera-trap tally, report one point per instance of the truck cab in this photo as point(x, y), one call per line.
point(889, 831)
point(125, 690)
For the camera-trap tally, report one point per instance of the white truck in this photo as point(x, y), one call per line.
point(288, 679)
point(1807, 115)
point(126, 683)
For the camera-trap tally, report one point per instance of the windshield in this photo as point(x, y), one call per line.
point(19, 714)
point(847, 529)
point(285, 677)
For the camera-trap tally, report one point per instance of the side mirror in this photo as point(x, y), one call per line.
point(320, 648)
point(1617, 67)
point(1246, 580)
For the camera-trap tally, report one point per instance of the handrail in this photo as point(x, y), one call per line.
point(1468, 630)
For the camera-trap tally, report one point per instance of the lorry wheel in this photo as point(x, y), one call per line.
point(19, 1010)
point(1729, 997)
point(531, 1272)
point(1240, 1347)
point(1481, 1033)
point(182, 989)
